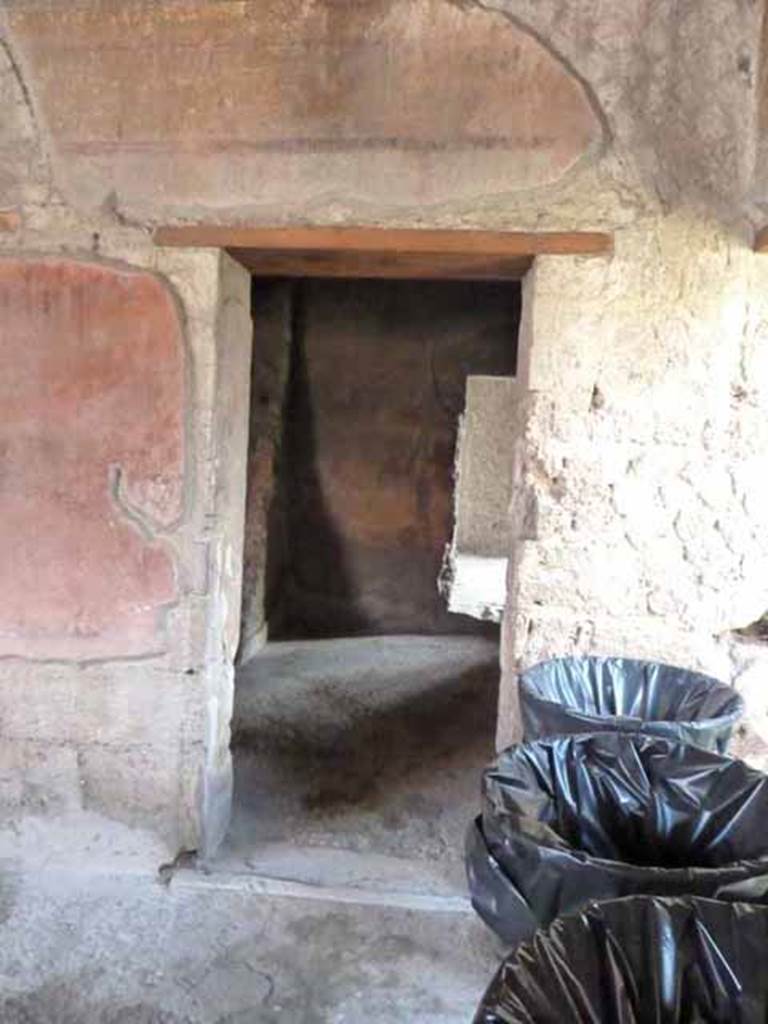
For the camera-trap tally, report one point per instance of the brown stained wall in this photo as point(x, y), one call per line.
point(91, 457)
point(366, 468)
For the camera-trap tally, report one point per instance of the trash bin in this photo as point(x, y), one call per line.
point(573, 695)
point(644, 960)
point(570, 819)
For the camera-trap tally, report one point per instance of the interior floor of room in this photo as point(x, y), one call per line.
point(362, 757)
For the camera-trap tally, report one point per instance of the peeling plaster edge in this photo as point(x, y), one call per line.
point(26, 95)
point(134, 516)
point(592, 98)
point(149, 529)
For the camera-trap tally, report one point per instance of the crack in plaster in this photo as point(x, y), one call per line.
point(139, 519)
point(26, 96)
point(594, 103)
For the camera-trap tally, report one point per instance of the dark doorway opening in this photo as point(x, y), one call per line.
point(362, 508)
point(364, 709)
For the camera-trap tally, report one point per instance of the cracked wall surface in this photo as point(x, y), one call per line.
point(24, 171)
point(638, 451)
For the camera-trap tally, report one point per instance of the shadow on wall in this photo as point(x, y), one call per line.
point(299, 489)
point(363, 506)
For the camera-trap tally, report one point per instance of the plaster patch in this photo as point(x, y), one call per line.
point(478, 586)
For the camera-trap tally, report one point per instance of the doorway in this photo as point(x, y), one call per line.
point(364, 709)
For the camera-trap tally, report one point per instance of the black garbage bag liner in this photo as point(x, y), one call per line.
point(638, 960)
point(494, 896)
point(574, 695)
point(750, 890)
point(573, 818)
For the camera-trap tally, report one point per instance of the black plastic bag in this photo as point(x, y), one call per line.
point(574, 818)
point(575, 695)
point(640, 960)
point(750, 890)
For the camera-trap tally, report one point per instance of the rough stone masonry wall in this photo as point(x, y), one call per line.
point(642, 490)
point(641, 496)
point(640, 410)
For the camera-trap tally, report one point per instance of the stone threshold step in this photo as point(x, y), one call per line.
point(342, 875)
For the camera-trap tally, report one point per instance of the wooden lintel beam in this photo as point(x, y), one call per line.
point(390, 240)
point(381, 264)
point(385, 252)
point(761, 240)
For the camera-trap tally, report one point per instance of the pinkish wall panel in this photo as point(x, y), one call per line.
point(171, 106)
point(91, 458)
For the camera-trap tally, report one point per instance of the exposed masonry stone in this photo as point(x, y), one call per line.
point(647, 533)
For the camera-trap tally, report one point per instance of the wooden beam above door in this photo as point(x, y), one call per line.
point(385, 252)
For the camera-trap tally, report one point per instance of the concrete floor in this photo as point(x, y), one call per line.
point(373, 744)
point(339, 898)
point(207, 950)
